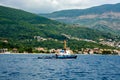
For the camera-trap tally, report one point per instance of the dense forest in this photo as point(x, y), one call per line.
point(29, 46)
point(19, 28)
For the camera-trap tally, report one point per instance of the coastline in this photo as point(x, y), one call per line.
point(52, 54)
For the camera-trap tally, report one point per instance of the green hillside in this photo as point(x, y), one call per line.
point(105, 18)
point(18, 25)
point(19, 28)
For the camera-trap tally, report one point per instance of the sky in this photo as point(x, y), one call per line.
point(48, 6)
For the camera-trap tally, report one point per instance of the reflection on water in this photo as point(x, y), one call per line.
point(85, 67)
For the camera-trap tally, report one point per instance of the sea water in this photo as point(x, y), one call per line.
point(85, 67)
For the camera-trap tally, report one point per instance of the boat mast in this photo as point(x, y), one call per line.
point(64, 44)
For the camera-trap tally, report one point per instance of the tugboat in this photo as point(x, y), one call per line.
point(65, 53)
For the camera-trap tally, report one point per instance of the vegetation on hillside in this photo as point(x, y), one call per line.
point(18, 29)
point(29, 46)
point(20, 25)
point(105, 18)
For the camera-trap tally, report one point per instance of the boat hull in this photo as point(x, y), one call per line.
point(66, 56)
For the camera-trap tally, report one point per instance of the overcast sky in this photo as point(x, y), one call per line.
point(48, 6)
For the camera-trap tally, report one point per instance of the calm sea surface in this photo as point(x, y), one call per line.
point(85, 67)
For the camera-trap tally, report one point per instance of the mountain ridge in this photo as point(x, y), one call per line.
point(108, 14)
point(28, 25)
point(78, 12)
point(23, 30)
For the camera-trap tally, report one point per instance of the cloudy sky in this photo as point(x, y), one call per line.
point(48, 6)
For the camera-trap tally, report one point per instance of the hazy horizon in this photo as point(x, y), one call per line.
point(48, 6)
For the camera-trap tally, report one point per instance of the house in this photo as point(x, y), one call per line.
point(15, 50)
point(3, 50)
